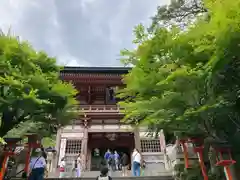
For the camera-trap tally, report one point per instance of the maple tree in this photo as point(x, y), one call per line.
point(32, 97)
point(188, 80)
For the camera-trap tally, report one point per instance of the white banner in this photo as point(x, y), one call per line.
point(62, 150)
point(162, 140)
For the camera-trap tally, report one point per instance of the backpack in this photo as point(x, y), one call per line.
point(111, 160)
point(103, 178)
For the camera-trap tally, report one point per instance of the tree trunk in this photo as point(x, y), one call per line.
point(7, 123)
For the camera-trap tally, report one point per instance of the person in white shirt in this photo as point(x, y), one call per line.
point(37, 165)
point(136, 162)
point(79, 165)
point(62, 168)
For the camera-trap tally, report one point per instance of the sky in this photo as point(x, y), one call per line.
point(77, 32)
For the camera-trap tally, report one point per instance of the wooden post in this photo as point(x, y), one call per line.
point(85, 147)
point(85, 140)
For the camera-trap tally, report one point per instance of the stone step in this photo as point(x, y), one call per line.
point(92, 174)
point(121, 178)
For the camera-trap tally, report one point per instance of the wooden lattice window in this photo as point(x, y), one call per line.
point(73, 146)
point(150, 145)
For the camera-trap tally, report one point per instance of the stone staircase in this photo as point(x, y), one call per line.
point(115, 174)
point(116, 178)
point(121, 178)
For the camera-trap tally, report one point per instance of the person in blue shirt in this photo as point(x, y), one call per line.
point(116, 159)
point(107, 156)
point(37, 165)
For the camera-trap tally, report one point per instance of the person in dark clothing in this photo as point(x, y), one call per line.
point(112, 163)
point(44, 154)
point(125, 163)
point(104, 174)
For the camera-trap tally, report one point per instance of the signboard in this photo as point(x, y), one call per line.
point(62, 150)
point(162, 140)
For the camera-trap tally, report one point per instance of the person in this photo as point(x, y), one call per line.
point(62, 168)
point(107, 156)
point(79, 165)
point(125, 163)
point(74, 168)
point(116, 159)
point(136, 162)
point(111, 162)
point(37, 165)
point(96, 154)
point(104, 174)
point(44, 155)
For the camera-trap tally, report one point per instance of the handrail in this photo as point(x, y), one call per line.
point(100, 108)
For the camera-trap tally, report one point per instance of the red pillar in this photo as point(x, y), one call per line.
point(199, 151)
point(26, 168)
point(3, 166)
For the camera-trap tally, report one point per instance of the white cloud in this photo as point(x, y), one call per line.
point(77, 32)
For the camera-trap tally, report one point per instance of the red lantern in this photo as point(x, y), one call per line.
point(33, 142)
point(198, 149)
point(224, 158)
point(8, 151)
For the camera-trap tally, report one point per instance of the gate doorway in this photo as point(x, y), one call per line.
point(99, 143)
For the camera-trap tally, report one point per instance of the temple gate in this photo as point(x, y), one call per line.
point(99, 120)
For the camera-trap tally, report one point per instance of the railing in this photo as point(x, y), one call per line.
point(100, 108)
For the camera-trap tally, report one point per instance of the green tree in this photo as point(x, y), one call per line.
point(178, 12)
point(32, 95)
point(188, 80)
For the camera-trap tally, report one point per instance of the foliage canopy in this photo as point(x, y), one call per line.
point(32, 95)
point(188, 80)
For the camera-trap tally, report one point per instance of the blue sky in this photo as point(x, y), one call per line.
point(78, 32)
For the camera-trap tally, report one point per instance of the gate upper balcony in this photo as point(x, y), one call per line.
point(97, 87)
point(93, 109)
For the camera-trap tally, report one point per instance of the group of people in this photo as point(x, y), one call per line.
point(112, 161)
point(76, 167)
point(115, 162)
